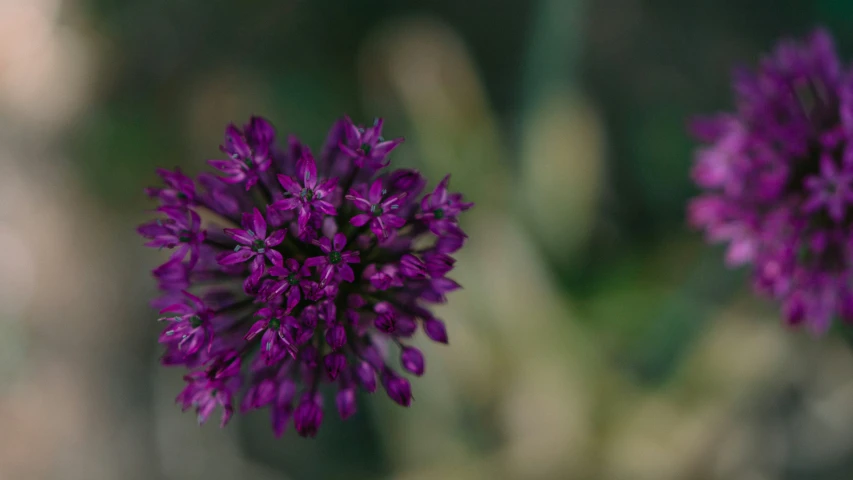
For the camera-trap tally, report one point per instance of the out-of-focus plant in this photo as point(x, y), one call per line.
point(777, 180)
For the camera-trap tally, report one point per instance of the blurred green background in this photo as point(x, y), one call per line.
point(596, 338)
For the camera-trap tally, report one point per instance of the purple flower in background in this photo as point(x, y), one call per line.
point(301, 310)
point(366, 146)
point(831, 189)
point(777, 180)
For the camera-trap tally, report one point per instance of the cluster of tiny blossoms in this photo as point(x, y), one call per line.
point(777, 180)
point(288, 272)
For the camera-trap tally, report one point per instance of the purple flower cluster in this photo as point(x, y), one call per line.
point(777, 180)
point(288, 272)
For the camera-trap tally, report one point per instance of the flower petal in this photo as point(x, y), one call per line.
point(326, 273)
point(292, 265)
point(240, 235)
point(225, 166)
point(314, 261)
point(394, 221)
point(382, 149)
point(274, 256)
point(232, 258)
point(346, 272)
point(360, 202)
point(275, 238)
point(351, 131)
point(374, 196)
point(306, 169)
point(259, 225)
point(340, 241)
point(257, 328)
point(360, 220)
point(286, 204)
point(293, 298)
point(289, 184)
point(324, 207)
point(326, 189)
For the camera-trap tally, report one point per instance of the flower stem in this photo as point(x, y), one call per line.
point(265, 191)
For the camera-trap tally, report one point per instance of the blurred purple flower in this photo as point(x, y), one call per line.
point(776, 180)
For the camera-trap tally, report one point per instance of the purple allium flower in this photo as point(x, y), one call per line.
point(412, 360)
point(334, 259)
point(248, 152)
point(189, 326)
point(831, 189)
point(379, 210)
point(323, 304)
point(440, 208)
point(345, 400)
point(366, 146)
point(179, 190)
point(308, 415)
point(254, 244)
point(291, 278)
point(305, 194)
point(435, 330)
point(215, 386)
point(275, 344)
point(397, 387)
point(777, 180)
point(180, 227)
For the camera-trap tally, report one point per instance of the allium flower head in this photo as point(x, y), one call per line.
point(307, 272)
point(777, 180)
